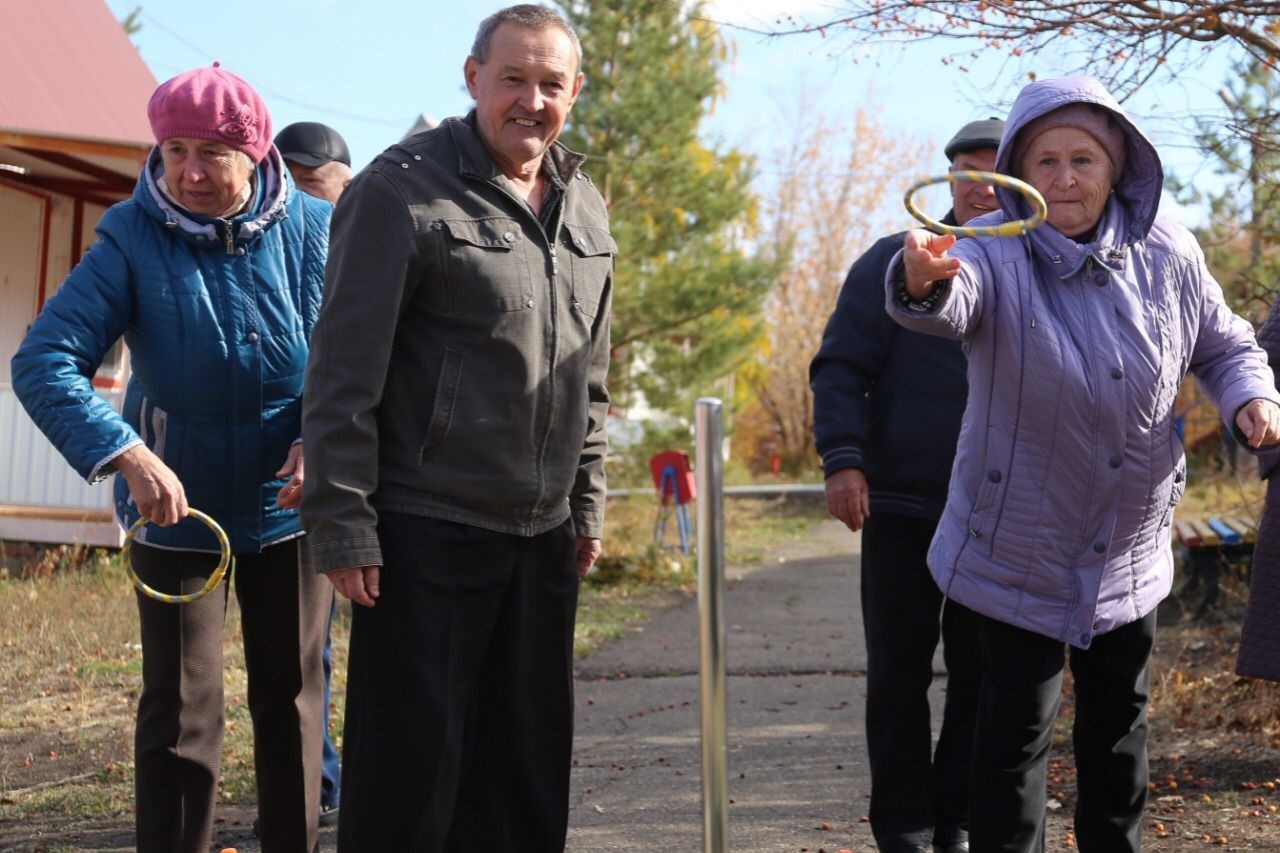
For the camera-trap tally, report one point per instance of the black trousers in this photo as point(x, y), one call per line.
point(1021, 692)
point(919, 793)
point(459, 721)
point(178, 737)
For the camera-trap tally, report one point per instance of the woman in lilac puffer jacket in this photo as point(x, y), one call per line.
point(1056, 529)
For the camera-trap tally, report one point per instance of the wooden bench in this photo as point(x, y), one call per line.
point(1214, 544)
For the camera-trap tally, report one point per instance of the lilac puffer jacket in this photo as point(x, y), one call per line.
point(1068, 468)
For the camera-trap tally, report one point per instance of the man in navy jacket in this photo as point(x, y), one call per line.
point(887, 409)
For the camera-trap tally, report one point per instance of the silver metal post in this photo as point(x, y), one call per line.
point(709, 442)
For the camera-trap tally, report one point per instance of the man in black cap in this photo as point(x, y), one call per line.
point(317, 157)
point(887, 408)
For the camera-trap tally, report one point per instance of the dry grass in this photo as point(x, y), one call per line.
point(69, 684)
point(68, 687)
point(1196, 687)
point(70, 645)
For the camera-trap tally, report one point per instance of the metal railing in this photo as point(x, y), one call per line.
point(816, 491)
point(709, 473)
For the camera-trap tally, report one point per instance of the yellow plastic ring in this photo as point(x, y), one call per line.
point(214, 579)
point(1004, 229)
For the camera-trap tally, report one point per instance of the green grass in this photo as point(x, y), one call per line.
point(111, 671)
point(103, 795)
point(606, 613)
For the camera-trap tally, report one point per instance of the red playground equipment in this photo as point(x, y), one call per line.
point(673, 480)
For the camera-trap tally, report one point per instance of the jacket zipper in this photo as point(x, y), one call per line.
point(550, 242)
point(142, 423)
point(229, 237)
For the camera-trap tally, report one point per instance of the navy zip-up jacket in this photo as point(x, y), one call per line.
point(887, 400)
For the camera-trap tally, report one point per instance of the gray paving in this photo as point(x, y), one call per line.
point(796, 756)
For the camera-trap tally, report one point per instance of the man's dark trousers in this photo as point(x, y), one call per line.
point(919, 794)
point(460, 684)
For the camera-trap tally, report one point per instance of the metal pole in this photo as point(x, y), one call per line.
point(709, 441)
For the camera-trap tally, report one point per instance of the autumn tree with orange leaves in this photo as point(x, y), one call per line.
point(836, 195)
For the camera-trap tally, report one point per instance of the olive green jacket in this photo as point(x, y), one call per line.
point(458, 367)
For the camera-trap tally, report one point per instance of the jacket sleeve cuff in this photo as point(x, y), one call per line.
point(1232, 409)
point(332, 556)
point(841, 458)
point(588, 524)
point(909, 302)
point(105, 467)
point(930, 314)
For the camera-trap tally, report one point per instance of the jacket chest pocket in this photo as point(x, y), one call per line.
point(484, 264)
point(591, 257)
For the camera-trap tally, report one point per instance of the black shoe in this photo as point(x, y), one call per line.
point(953, 847)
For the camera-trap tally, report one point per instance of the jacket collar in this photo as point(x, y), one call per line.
point(474, 159)
point(1108, 249)
point(274, 188)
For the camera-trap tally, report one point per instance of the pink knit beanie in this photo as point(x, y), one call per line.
point(1095, 121)
point(212, 103)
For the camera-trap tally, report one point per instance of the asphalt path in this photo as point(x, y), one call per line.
point(797, 764)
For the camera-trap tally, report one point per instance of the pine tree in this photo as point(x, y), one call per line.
point(1242, 240)
point(687, 293)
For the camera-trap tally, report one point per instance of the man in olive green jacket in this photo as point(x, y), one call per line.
point(454, 419)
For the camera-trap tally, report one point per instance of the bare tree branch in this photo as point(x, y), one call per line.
point(1125, 43)
point(830, 205)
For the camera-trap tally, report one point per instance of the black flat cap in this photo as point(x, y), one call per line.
point(984, 133)
point(312, 144)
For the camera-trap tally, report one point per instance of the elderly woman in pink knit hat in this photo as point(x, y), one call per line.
point(212, 273)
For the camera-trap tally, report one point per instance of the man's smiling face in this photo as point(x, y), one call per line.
point(969, 200)
point(523, 92)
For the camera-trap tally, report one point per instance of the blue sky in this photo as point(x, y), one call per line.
point(370, 68)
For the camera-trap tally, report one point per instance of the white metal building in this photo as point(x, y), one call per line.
point(73, 135)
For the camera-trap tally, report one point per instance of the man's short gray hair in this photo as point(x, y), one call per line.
point(526, 15)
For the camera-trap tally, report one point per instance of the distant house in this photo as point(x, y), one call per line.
point(423, 123)
point(73, 136)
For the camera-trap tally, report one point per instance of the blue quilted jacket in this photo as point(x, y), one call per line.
point(217, 315)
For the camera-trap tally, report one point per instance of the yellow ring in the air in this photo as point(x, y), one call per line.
point(214, 579)
point(1040, 210)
